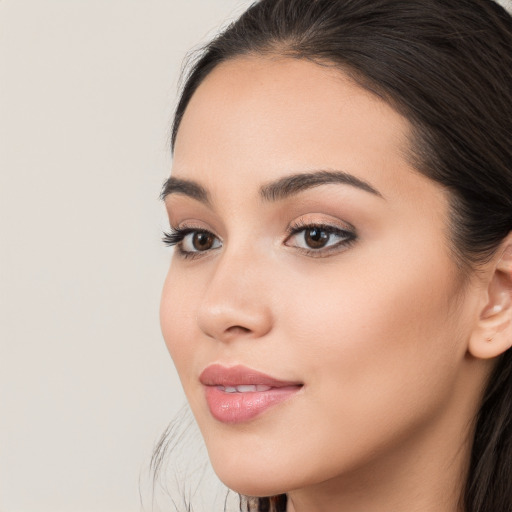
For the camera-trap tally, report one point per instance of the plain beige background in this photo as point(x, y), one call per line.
point(87, 89)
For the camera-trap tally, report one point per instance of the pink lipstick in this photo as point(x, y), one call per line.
point(238, 394)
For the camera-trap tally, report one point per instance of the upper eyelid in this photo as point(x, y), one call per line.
point(302, 224)
point(325, 227)
point(185, 231)
point(188, 226)
point(293, 227)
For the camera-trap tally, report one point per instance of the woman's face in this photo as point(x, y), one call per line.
point(309, 251)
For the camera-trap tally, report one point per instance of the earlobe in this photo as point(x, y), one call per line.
point(493, 334)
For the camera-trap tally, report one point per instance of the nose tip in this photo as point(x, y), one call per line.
point(227, 319)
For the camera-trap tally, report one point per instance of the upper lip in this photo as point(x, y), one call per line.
point(218, 375)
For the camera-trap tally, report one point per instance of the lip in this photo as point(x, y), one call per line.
point(238, 407)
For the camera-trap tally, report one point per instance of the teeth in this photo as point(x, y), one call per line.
point(245, 388)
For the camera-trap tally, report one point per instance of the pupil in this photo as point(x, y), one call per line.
point(202, 241)
point(316, 238)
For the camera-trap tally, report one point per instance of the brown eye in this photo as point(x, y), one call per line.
point(202, 241)
point(320, 240)
point(196, 241)
point(316, 237)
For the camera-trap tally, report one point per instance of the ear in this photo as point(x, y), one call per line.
point(493, 333)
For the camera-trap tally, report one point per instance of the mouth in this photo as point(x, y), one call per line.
point(238, 394)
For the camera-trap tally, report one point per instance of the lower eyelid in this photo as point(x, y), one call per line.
point(337, 248)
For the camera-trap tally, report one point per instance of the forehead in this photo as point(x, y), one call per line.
point(255, 119)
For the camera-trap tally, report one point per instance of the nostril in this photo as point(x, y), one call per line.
point(237, 329)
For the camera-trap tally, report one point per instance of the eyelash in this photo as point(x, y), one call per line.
point(176, 236)
point(347, 236)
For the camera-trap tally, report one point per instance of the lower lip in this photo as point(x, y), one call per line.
point(241, 407)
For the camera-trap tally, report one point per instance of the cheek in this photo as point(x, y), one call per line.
point(177, 318)
point(376, 332)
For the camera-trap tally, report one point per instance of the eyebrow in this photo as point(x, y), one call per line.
point(276, 190)
point(291, 185)
point(184, 187)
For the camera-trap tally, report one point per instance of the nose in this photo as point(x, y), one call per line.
point(236, 302)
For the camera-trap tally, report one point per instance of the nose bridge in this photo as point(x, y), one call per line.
point(236, 301)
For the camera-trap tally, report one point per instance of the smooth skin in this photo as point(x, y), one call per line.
point(388, 337)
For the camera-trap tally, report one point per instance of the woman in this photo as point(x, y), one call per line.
point(339, 304)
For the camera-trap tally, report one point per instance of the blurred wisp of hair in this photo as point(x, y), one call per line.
point(179, 477)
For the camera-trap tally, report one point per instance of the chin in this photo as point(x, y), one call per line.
point(247, 486)
point(252, 477)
